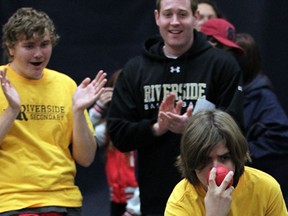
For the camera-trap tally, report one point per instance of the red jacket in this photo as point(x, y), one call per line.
point(120, 171)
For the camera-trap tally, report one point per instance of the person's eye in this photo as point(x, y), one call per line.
point(45, 44)
point(182, 14)
point(167, 14)
point(225, 158)
point(28, 46)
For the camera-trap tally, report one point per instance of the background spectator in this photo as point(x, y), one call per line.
point(207, 10)
point(265, 121)
point(119, 166)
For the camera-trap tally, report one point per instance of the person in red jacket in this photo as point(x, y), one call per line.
point(120, 167)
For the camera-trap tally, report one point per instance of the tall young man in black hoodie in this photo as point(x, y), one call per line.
point(154, 96)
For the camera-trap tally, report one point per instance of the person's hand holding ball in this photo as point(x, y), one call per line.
point(221, 172)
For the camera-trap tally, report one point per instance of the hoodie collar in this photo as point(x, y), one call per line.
point(153, 47)
point(261, 81)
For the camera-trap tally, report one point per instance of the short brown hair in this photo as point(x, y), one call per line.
point(204, 131)
point(193, 3)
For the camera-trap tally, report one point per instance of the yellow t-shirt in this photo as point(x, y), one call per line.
point(37, 168)
point(256, 194)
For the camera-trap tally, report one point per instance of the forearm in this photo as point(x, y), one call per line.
point(129, 136)
point(6, 121)
point(84, 143)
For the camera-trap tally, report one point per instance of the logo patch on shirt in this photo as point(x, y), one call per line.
point(175, 69)
point(41, 112)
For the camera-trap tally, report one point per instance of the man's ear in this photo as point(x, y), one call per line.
point(197, 14)
point(156, 16)
point(10, 51)
point(197, 18)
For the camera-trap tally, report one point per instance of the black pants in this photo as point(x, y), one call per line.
point(68, 211)
point(117, 209)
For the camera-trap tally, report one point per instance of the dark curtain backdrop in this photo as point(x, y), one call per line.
point(105, 34)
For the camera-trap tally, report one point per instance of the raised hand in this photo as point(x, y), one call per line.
point(89, 91)
point(218, 198)
point(9, 91)
point(169, 116)
point(105, 97)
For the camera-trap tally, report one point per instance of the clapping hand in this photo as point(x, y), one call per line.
point(89, 91)
point(10, 92)
point(169, 116)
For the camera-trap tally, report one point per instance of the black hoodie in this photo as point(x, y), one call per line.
point(202, 72)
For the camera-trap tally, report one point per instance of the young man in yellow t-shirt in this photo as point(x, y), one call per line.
point(212, 138)
point(44, 125)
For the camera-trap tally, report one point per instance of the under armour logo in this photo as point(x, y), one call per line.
point(174, 69)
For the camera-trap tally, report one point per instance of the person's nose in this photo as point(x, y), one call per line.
point(38, 52)
point(175, 19)
point(216, 163)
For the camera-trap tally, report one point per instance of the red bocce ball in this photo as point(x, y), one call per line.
point(221, 172)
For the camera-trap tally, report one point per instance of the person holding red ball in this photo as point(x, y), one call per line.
point(212, 139)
